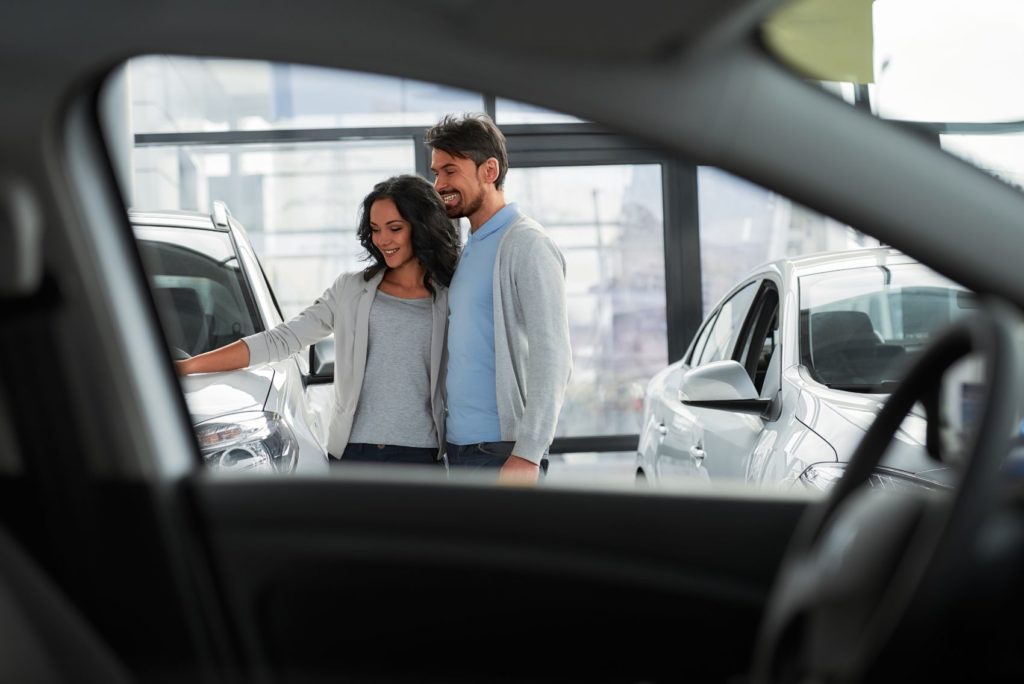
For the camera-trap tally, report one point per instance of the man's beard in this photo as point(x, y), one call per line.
point(466, 208)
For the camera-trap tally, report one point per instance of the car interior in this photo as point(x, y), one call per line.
point(846, 349)
point(121, 559)
point(189, 327)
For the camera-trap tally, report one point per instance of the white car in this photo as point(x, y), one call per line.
point(788, 371)
point(210, 290)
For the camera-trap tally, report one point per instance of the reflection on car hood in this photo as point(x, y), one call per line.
point(214, 394)
point(842, 418)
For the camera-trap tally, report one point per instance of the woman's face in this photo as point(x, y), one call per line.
point(391, 233)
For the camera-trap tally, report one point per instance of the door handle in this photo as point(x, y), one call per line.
point(697, 454)
point(662, 430)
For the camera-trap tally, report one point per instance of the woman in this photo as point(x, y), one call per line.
point(389, 323)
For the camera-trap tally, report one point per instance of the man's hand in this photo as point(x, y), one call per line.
point(518, 471)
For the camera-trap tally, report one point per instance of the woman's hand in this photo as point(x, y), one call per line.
point(230, 357)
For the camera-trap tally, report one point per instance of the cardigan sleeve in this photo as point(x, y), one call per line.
point(311, 325)
point(539, 278)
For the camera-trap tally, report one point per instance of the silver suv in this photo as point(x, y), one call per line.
point(210, 290)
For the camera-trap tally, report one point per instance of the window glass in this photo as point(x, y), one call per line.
point(512, 112)
point(608, 223)
point(727, 328)
point(762, 338)
point(698, 348)
point(919, 78)
point(299, 203)
point(894, 58)
point(201, 292)
point(173, 94)
point(862, 325)
point(999, 153)
point(742, 225)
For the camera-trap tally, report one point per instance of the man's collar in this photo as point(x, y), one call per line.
point(502, 218)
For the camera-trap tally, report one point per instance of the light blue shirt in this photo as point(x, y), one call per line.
point(471, 384)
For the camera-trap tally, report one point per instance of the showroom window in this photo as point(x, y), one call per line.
point(742, 226)
point(189, 94)
point(299, 203)
point(651, 241)
point(608, 223)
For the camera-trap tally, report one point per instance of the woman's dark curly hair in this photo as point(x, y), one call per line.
point(435, 240)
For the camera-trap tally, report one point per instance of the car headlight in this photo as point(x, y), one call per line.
point(821, 477)
point(255, 440)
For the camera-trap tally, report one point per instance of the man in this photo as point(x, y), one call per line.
point(509, 358)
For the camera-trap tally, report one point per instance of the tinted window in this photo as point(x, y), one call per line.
point(860, 326)
point(198, 286)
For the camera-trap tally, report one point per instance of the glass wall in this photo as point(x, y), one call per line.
point(299, 203)
point(608, 222)
point(742, 225)
point(292, 150)
point(173, 94)
point(512, 112)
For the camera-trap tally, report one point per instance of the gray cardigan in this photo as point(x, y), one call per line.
point(344, 309)
point(533, 357)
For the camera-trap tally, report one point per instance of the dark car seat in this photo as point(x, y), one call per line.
point(43, 638)
point(845, 349)
point(186, 324)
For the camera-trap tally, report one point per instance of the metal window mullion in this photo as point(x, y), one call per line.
point(683, 285)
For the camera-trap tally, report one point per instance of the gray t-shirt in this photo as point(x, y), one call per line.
point(394, 403)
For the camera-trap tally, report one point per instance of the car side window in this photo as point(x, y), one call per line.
point(702, 339)
point(760, 336)
point(726, 330)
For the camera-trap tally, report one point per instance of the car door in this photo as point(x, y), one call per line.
point(309, 404)
point(730, 437)
point(682, 452)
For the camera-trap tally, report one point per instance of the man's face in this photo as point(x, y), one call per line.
point(459, 181)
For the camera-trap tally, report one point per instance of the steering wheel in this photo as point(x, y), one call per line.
point(867, 561)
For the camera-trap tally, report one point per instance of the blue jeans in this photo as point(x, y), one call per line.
point(386, 453)
point(479, 455)
point(484, 455)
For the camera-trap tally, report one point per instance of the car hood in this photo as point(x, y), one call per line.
point(842, 418)
point(210, 395)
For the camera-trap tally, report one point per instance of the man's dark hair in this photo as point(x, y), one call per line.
point(471, 136)
point(435, 240)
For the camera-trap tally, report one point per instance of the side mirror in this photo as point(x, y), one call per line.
point(722, 385)
point(321, 362)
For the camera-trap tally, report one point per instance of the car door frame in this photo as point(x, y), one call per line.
point(680, 451)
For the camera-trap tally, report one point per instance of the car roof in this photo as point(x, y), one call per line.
point(175, 219)
point(810, 264)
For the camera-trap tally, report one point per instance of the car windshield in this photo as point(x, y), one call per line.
point(199, 287)
point(947, 68)
point(859, 327)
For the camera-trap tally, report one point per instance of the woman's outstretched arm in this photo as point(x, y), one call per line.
point(228, 357)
